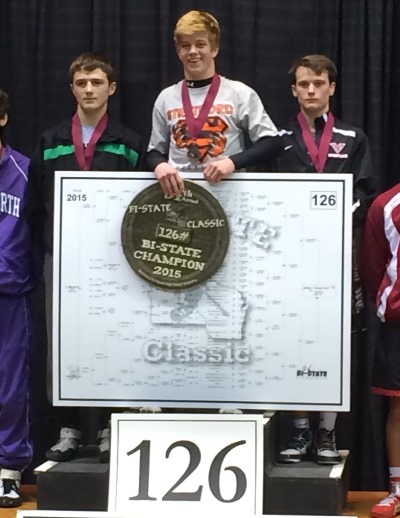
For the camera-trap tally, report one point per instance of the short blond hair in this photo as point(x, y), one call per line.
point(198, 21)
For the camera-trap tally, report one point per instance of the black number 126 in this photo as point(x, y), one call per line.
point(323, 200)
point(214, 473)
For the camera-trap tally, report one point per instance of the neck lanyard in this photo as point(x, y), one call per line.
point(319, 154)
point(195, 124)
point(84, 156)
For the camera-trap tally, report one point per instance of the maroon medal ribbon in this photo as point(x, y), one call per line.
point(319, 154)
point(84, 156)
point(195, 124)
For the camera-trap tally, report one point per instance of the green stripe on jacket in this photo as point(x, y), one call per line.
point(120, 149)
point(55, 152)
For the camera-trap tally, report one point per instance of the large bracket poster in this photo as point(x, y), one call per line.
point(269, 330)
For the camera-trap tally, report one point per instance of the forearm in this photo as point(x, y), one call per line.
point(263, 150)
point(153, 159)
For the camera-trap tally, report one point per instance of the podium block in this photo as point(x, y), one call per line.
point(306, 488)
point(78, 485)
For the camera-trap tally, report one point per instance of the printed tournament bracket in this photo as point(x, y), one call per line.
point(276, 314)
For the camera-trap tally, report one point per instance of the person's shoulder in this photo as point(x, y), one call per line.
point(386, 198)
point(288, 128)
point(61, 130)
point(170, 90)
point(118, 131)
point(237, 86)
point(347, 128)
point(20, 160)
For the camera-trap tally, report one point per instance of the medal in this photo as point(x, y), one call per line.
point(193, 152)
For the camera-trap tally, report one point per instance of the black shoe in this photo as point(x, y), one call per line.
point(9, 493)
point(325, 448)
point(298, 448)
point(66, 447)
